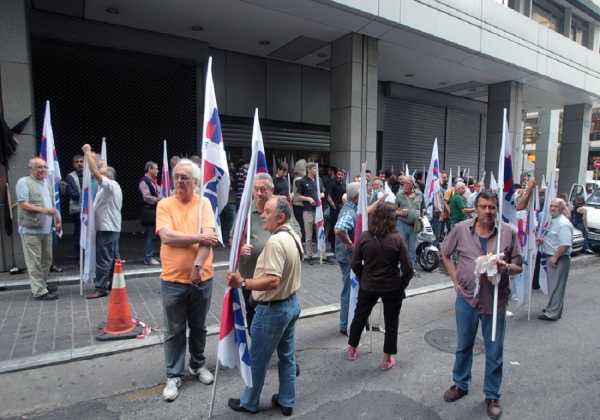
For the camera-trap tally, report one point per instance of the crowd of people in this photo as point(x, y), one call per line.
point(282, 235)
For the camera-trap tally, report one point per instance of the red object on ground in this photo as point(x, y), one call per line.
point(119, 319)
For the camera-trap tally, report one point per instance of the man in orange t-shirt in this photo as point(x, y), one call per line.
point(185, 248)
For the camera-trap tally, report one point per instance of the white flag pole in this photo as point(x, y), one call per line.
point(499, 230)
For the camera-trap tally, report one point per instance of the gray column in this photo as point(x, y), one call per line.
point(575, 146)
point(567, 20)
point(354, 102)
point(16, 103)
point(504, 95)
point(546, 146)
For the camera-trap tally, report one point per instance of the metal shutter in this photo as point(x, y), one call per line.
point(239, 135)
point(408, 133)
point(462, 141)
point(135, 100)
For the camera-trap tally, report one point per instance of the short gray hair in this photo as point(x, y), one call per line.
point(460, 184)
point(265, 177)
point(352, 191)
point(561, 203)
point(149, 165)
point(111, 173)
point(196, 174)
point(283, 206)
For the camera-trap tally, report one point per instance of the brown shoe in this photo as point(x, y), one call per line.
point(454, 394)
point(96, 294)
point(493, 409)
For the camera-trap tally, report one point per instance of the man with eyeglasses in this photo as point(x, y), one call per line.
point(36, 211)
point(185, 224)
point(466, 241)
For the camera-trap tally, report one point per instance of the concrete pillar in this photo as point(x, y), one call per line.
point(504, 95)
point(594, 41)
point(546, 146)
point(16, 103)
point(575, 146)
point(354, 102)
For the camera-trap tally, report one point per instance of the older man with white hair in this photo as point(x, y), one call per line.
point(458, 205)
point(344, 236)
point(556, 247)
point(185, 224)
point(410, 203)
point(36, 211)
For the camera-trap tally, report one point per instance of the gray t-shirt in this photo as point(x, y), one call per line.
point(22, 190)
point(107, 206)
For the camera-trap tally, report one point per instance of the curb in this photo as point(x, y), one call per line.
point(129, 274)
point(106, 349)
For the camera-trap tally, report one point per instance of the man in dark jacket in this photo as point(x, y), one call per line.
point(150, 191)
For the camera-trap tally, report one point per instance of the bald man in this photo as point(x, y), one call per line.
point(36, 211)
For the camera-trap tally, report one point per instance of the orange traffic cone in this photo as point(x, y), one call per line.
point(119, 324)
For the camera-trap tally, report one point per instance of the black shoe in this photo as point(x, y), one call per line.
point(47, 296)
point(297, 369)
point(235, 405)
point(55, 269)
point(52, 288)
point(344, 332)
point(286, 411)
point(311, 261)
point(545, 317)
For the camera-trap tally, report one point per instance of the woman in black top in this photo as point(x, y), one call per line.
point(376, 258)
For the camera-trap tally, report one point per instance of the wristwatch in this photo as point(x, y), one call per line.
point(243, 284)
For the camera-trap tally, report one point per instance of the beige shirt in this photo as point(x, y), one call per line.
point(281, 258)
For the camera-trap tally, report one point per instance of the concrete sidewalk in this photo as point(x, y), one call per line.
point(550, 372)
point(34, 333)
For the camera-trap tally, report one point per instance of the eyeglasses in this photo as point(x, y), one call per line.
point(181, 178)
point(40, 167)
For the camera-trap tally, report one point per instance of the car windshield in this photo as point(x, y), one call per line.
point(594, 199)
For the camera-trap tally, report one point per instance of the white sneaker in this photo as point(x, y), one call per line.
point(203, 375)
point(171, 390)
point(509, 314)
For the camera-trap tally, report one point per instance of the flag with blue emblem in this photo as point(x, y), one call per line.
point(215, 171)
point(432, 185)
point(48, 154)
point(320, 220)
point(233, 343)
point(505, 178)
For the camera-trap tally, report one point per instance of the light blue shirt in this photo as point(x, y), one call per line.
point(559, 233)
point(22, 191)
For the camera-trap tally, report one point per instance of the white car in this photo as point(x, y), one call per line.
point(592, 206)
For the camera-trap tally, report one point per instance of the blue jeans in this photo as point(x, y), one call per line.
point(343, 258)
point(184, 305)
point(149, 240)
point(408, 233)
point(467, 320)
point(273, 329)
point(107, 249)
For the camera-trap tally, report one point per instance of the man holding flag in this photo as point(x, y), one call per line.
point(274, 285)
point(185, 303)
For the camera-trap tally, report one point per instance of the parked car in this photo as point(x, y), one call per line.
point(577, 245)
point(592, 206)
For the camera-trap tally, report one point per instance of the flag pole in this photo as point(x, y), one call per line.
point(533, 204)
point(80, 269)
point(213, 391)
point(499, 230)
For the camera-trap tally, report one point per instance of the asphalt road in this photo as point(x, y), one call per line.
point(551, 371)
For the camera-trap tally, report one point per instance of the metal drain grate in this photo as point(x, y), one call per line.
point(445, 340)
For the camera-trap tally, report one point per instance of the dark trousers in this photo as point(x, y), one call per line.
point(392, 302)
point(76, 220)
point(107, 249)
point(185, 306)
point(227, 220)
point(250, 308)
point(298, 210)
point(149, 241)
